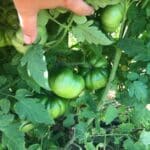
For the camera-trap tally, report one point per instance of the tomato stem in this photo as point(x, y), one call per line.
point(112, 75)
point(70, 20)
point(57, 22)
point(117, 58)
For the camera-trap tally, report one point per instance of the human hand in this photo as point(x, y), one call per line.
point(28, 10)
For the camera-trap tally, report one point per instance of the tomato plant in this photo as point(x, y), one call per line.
point(83, 84)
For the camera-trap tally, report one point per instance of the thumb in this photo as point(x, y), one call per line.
point(28, 24)
point(79, 7)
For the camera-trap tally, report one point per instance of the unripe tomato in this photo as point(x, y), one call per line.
point(66, 84)
point(111, 17)
point(124, 68)
point(98, 62)
point(18, 42)
point(96, 79)
point(56, 107)
point(26, 127)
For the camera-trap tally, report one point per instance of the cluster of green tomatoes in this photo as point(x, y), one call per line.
point(69, 83)
point(66, 83)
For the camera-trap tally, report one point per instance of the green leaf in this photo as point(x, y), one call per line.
point(130, 145)
point(89, 146)
point(13, 138)
point(102, 3)
point(132, 76)
point(110, 114)
point(148, 69)
point(36, 65)
point(145, 137)
point(35, 147)
point(79, 19)
point(87, 113)
point(3, 80)
point(135, 48)
point(80, 131)
point(82, 100)
point(148, 10)
point(136, 25)
point(91, 34)
point(139, 90)
point(5, 105)
point(5, 120)
point(30, 109)
point(140, 115)
point(30, 82)
point(69, 121)
point(125, 127)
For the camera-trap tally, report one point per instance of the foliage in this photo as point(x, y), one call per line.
point(114, 115)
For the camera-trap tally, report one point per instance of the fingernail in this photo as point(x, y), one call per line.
point(91, 12)
point(27, 39)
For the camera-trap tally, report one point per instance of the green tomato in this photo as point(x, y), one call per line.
point(56, 107)
point(98, 62)
point(18, 42)
point(66, 84)
point(111, 17)
point(44, 100)
point(20, 47)
point(26, 127)
point(96, 79)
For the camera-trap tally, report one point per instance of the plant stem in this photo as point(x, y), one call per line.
point(57, 22)
point(145, 3)
point(65, 33)
point(70, 142)
point(116, 61)
point(112, 75)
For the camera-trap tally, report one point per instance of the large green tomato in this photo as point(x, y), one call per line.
point(111, 17)
point(66, 84)
point(56, 107)
point(96, 79)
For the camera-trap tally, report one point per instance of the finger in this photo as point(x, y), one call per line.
point(28, 24)
point(79, 7)
point(49, 4)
